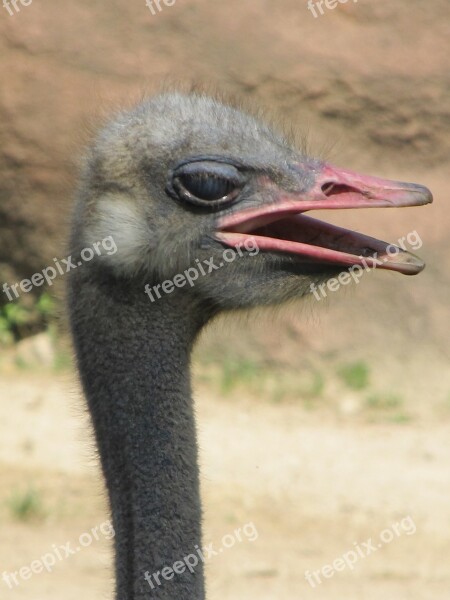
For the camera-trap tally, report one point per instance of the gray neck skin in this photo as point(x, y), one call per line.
point(133, 357)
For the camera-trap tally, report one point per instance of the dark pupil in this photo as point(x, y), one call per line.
point(207, 187)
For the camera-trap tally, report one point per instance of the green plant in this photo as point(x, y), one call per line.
point(45, 305)
point(386, 401)
point(12, 317)
point(400, 418)
point(26, 505)
point(238, 371)
point(20, 319)
point(355, 375)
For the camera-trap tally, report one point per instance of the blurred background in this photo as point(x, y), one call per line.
point(323, 424)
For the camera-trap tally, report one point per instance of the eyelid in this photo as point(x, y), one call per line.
point(210, 168)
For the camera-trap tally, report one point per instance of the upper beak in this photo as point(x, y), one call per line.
point(281, 226)
point(339, 188)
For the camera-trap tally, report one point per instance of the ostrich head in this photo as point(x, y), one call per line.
point(181, 179)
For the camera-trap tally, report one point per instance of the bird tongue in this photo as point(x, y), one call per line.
point(281, 226)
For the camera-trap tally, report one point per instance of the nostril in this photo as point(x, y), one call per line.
point(327, 187)
point(332, 189)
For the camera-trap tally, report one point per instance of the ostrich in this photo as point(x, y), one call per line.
point(176, 182)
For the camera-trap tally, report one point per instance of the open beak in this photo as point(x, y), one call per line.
point(281, 226)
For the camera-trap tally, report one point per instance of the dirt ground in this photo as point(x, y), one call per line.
point(316, 484)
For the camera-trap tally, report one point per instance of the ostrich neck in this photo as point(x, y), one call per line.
point(133, 358)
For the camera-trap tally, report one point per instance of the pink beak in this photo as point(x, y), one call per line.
point(281, 226)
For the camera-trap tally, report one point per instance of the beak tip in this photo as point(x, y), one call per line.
point(424, 193)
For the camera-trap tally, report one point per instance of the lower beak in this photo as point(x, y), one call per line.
point(281, 226)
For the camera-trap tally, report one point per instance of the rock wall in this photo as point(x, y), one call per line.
point(371, 77)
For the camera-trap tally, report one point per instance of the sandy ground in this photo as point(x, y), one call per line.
point(315, 487)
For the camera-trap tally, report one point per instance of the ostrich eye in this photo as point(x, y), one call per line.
point(207, 183)
point(207, 187)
